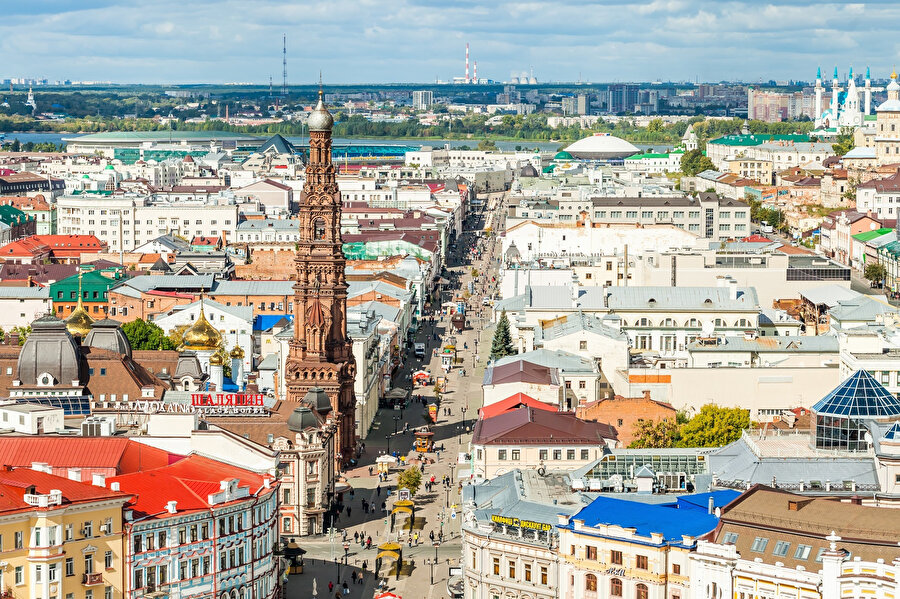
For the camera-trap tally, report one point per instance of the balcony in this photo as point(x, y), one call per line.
point(92, 578)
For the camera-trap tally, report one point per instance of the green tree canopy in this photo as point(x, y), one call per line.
point(648, 433)
point(714, 426)
point(411, 479)
point(875, 271)
point(146, 335)
point(694, 162)
point(502, 345)
point(486, 145)
point(843, 143)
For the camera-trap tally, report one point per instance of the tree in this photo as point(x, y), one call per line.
point(694, 162)
point(411, 479)
point(714, 426)
point(146, 335)
point(875, 272)
point(23, 333)
point(843, 142)
point(648, 433)
point(486, 145)
point(502, 345)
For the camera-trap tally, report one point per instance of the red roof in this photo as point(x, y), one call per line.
point(757, 239)
point(21, 248)
point(100, 455)
point(527, 426)
point(188, 482)
point(16, 483)
point(59, 246)
point(511, 403)
point(205, 241)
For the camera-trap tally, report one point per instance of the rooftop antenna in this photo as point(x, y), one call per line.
point(284, 65)
point(270, 86)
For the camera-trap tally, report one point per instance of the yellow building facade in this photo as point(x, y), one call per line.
point(59, 538)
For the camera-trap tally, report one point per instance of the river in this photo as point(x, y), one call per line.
point(544, 146)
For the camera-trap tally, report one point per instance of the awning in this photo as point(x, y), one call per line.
point(342, 487)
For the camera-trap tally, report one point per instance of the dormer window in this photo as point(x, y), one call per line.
point(319, 229)
point(45, 380)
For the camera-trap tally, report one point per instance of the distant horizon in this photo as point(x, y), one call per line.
point(363, 42)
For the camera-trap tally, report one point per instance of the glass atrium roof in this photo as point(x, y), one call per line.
point(859, 396)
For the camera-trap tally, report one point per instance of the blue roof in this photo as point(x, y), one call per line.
point(264, 322)
point(893, 433)
point(647, 519)
point(859, 396)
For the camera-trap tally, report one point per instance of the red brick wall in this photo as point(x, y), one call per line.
point(623, 412)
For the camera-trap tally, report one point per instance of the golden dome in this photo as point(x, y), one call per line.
point(201, 335)
point(894, 73)
point(237, 352)
point(79, 322)
point(216, 360)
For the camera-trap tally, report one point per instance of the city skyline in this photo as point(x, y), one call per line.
point(420, 41)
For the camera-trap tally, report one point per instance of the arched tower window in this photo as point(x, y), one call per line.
point(319, 229)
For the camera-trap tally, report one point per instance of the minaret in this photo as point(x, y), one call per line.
point(852, 114)
point(320, 353)
point(819, 90)
point(835, 88)
point(867, 109)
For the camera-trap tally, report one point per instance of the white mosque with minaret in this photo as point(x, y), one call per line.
point(849, 104)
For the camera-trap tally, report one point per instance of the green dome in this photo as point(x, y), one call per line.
point(110, 167)
point(549, 168)
point(563, 156)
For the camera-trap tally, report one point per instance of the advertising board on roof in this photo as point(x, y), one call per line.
point(526, 524)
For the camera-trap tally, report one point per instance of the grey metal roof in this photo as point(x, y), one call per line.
point(862, 308)
point(385, 311)
point(829, 295)
point(575, 323)
point(253, 288)
point(355, 288)
point(265, 224)
point(525, 495)
point(682, 298)
point(242, 312)
point(270, 362)
point(820, 344)
point(24, 292)
point(737, 465)
point(170, 282)
point(564, 361)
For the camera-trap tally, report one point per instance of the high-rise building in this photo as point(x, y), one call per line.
point(422, 100)
point(621, 97)
point(320, 354)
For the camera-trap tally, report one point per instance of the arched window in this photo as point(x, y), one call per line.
point(643, 322)
point(642, 592)
point(743, 322)
point(719, 322)
point(669, 322)
point(693, 323)
point(319, 229)
point(590, 583)
point(615, 587)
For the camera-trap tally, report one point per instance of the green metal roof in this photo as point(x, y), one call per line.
point(11, 215)
point(163, 135)
point(563, 156)
point(893, 248)
point(870, 235)
point(755, 140)
point(647, 155)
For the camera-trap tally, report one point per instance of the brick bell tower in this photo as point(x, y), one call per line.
point(321, 352)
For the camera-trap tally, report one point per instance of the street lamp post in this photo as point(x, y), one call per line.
point(346, 552)
point(436, 544)
point(452, 467)
point(464, 416)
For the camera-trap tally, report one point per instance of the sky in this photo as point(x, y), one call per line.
point(405, 41)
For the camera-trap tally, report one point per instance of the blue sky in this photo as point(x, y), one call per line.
point(380, 41)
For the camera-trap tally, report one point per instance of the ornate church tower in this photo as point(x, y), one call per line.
point(321, 352)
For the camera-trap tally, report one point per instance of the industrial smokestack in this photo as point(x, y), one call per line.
point(467, 62)
point(475, 72)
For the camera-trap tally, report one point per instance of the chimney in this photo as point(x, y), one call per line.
point(114, 486)
point(647, 394)
point(732, 289)
point(711, 506)
point(171, 507)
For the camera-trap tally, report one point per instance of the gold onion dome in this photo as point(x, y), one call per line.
point(216, 360)
point(201, 335)
point(237, 352)
point(79, 322)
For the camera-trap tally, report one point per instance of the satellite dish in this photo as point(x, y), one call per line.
point(708, 328)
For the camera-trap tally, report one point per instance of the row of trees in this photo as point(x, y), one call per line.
point(713, 426)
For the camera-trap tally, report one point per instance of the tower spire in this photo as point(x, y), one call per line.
point(284, 64)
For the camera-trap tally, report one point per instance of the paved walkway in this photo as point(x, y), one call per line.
point(434, 509)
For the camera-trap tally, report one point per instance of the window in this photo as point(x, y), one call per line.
point(516, 454)
point(591, 552)
point(138, 543)
point(819, 555)
point(781, 548)
point(53, 572)
point(501, 454)
point(89, 563)
point(19, 540)
point(496, 566)
point(286, 525)
point(616, 558)
point(512, 569)
point(582, 384)
point(641, 562)
point(88, 530)
point(557, 454)
point(474, 555)
point(590, 583)
point(70, 566)
point(543, 574)
point(107, 593)
point(543, 454)
point(108, 560)
point(584, 454)
point(676, 568)
point(527, 568)
point(570, 454)
point(161, 539)
point(615, 587)
point(642, 592)
point(20, 575)
point(759, 544)
point(730, 538)
point(802, 552)
point(319, 229)
point(582, 345)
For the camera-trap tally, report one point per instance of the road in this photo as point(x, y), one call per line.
point(452, 432)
